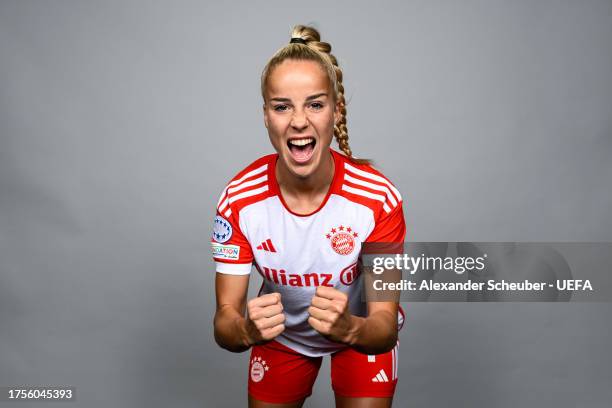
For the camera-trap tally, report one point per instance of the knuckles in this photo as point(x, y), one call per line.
point(322, 327)
point(333, 318)
point(254, 315)
point(271, 333)
point(326, 327)
point(264, 324)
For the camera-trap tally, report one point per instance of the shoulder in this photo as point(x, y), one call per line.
point(366, 185)
point(249, 185)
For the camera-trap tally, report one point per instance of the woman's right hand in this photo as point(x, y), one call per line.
point(265, 318)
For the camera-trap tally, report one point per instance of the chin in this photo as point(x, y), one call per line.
point(302, 171)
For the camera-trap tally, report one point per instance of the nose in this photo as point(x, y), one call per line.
point(299, 119)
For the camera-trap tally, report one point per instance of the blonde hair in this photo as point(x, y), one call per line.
point(318, 51)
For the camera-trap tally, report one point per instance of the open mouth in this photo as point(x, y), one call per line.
point(302, 149)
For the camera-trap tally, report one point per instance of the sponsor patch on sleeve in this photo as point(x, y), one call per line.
point(231, 252)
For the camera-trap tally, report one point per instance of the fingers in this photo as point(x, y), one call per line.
point(320, 326)
point(265, 317)
point(327, 308)
point(268, 311)
point(330, 293)
point(320, 314)
point(265, 306)
point(273, 332)
point(266, 329)
point(321, 303)
point(266, 300)
point(270, 327)
point(330, 314)
point(329, 299)
point(269, 322)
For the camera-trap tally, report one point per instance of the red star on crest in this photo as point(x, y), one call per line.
point(341, 228)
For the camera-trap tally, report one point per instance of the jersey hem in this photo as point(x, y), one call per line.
point(291, 345)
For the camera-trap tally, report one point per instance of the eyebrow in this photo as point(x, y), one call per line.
point(310, 98)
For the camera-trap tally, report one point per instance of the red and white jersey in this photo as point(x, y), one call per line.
point(295, 253)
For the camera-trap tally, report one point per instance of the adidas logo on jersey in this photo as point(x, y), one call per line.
point(281, 277)
point(266, 246)
point(381, 377)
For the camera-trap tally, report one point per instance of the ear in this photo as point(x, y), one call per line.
point(265, 112)
point(337, 114)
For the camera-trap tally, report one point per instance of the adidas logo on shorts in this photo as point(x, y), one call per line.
point(381, 377)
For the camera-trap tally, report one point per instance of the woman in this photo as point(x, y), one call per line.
point(300, 216)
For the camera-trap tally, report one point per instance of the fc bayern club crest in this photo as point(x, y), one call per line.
point(258, 369)
point(342, 239)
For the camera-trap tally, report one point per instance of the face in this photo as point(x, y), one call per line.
point(300, 114)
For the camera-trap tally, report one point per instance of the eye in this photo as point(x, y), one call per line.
point(317, 105)
point(280, 108)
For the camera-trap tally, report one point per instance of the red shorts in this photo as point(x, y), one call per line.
point(278, 374)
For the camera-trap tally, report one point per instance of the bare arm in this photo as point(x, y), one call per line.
point(374, 334)
point(377, 333)
point(230, 324)
point(234, 331)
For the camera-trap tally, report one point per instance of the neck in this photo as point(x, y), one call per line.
point(318, 182)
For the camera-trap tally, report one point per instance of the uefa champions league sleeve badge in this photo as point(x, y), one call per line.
point(222, 230)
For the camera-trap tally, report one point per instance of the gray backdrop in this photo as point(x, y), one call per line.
point(120, 123)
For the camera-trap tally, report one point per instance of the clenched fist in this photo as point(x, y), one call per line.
point(266, 318)
point(330, 315)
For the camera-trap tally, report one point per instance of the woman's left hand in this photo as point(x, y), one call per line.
point(330, 315)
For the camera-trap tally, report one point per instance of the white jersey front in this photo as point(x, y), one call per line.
point(295, 253)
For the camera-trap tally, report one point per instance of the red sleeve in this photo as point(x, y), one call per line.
point(230, 248)
point(390, 226)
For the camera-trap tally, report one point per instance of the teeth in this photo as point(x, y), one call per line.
point(301, 142)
